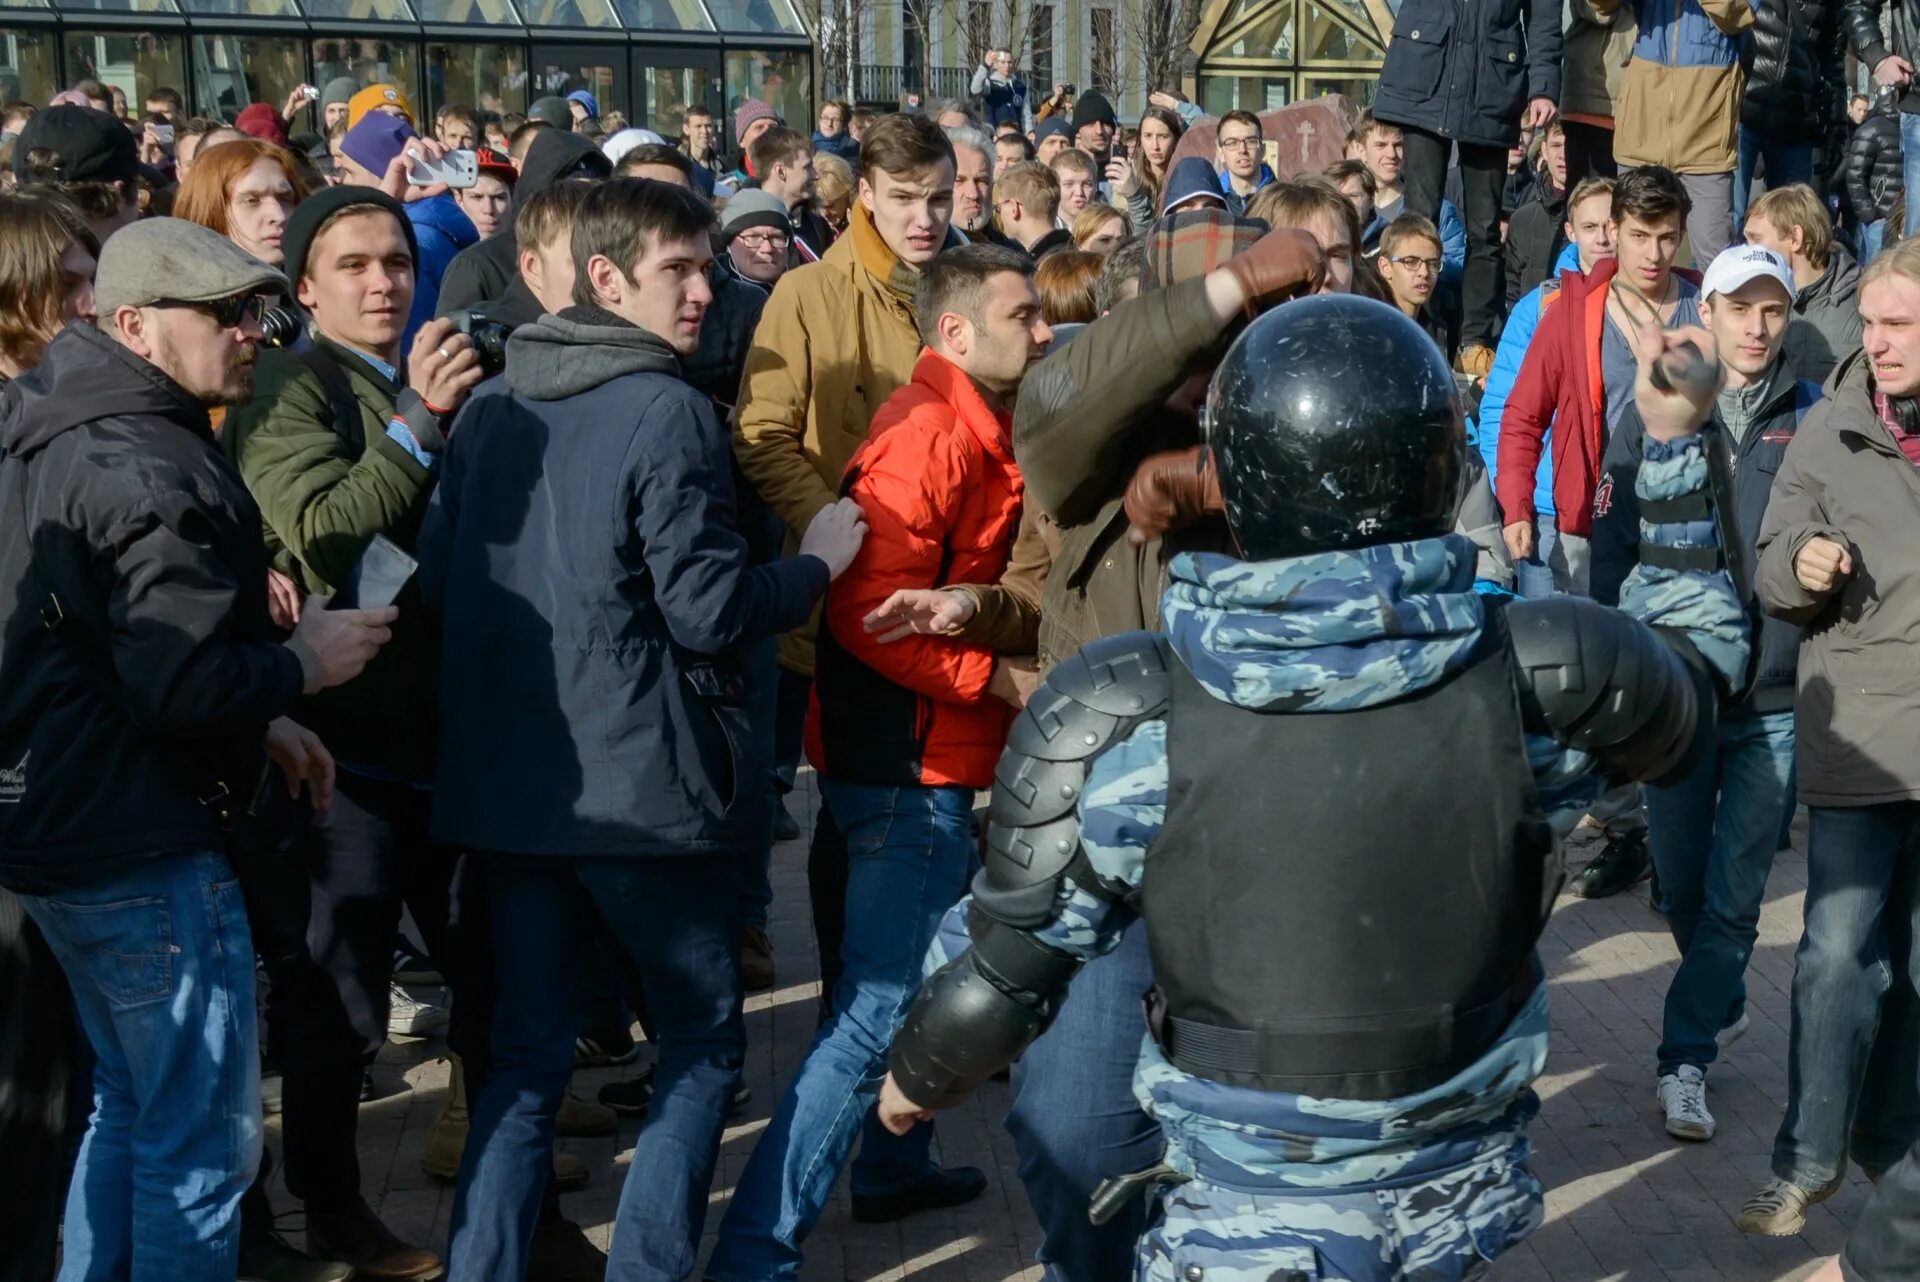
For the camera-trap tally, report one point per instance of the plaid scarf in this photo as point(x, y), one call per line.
point(1195, 241)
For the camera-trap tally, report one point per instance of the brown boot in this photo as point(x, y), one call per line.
point(356, 1236)
point(756, 960)
point(447, 1141)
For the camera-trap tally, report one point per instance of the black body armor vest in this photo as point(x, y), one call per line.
point(1345, 904)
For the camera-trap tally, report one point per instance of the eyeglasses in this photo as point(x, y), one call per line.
point(227, 313)
point(1410, 263)
point(1240, 144)
point(770, 240)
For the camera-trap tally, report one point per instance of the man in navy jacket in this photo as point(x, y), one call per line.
point(596, 745)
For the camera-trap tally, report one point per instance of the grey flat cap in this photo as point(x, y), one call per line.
point(172, 260)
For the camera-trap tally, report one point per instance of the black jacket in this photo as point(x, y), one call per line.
point(1465, 69)
point(1872, 171)
point(726, 333)
point(1755, 461)
point(1794, 59)
point(1862, 21)
point(128, 532)
point(1535, 237)
point(483, 272)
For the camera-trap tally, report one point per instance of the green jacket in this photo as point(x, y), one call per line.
point(324, 496)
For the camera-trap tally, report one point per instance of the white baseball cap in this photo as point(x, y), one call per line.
point(1739, 264)
point(616, 147)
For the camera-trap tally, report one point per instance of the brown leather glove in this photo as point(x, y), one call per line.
point(1171, 490)
point(1282, 264)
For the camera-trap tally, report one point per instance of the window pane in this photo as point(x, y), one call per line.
point(781, 78)
point(1358, 88)
point(1221, 94)
point(244, 8)
point(1101, 26)
point(360, 10)
point(231, 71)
point(27, 67)
point(1040, 52)
point(122, 6)
point(667, 92)
point(601, 72)
point(135, 62)
point(1329, 40)
point(480, 13)
point(664, 15)
point(569, 13)
point(757, 15)
point(370, 60)
point(491, 77)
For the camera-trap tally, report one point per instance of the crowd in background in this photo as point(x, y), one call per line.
point(483, 518)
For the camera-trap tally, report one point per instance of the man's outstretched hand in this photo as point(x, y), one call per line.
point(898, 1113)
point(1169, 491)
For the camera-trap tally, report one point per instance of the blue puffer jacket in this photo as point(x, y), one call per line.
point(594, 593)
point(1465, 68)
point(1483, 430)
point(442, 229)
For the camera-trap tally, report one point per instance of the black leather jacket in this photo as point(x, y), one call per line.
point(1862, 21)
point(1793, 59)
point(1872, 168)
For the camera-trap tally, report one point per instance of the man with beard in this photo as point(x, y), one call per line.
point(972, 183)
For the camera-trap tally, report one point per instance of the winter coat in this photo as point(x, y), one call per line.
point(1794, 60)
point(841, 145)
point(325, 489)
point(726, 336)
point(1599, 43)
point(1001, 98)
point(1535, 236)
point(1466, 70)
point(592, 589)
point(1754, 462)
point(138, 667)
point(941, 491)
point(482, 272)
point(1086, 417)
point(1857, 720)
point(835, 340)
point(1872, 171)
point(1679, 98)
point(1862, 21)
point(1522, 322)
point(1825, 327)
point(441, 229)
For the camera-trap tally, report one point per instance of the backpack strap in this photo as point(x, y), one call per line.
point(341, 402)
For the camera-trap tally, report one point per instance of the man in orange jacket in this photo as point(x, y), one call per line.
point(906, 725)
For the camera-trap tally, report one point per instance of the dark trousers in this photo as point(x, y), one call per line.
point(43, 1063)
point(365, 856)
point(827, 855)
point(1589, 152)
point(1483, 175)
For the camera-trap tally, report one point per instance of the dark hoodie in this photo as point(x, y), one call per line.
point(133, 537)
point(582, 555)
point(487, 275)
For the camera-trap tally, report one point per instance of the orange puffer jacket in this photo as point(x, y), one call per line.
point(937, 481)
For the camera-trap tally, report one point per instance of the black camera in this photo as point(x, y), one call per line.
point(489, 338)
point(281, 327)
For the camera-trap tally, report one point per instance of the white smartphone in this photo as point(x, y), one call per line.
point(455, 169)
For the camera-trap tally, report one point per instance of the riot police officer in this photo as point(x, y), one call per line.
point(1332, 786)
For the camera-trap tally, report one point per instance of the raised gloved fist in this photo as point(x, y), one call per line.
point(1171, 490)
point(1282, 264)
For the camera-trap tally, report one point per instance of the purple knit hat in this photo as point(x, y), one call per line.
point(748, 112)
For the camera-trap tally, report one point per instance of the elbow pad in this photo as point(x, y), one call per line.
point(975, 1015)
point(1601, 681)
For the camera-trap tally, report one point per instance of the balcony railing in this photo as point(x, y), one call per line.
point(878, 83)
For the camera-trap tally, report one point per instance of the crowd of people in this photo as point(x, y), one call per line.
point(481, 520)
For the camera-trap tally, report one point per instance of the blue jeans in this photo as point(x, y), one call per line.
point(675, 918)
point(161, 967)
point(1713, 836)
point(1533, 577)
point(1787, 162)
point(1075, 1121)
point(909, 852)
point(1850, 1057)
point(1872, 236)
point(1910, 150)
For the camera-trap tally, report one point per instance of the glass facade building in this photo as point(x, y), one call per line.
point(1260, 54)
point(649, 59)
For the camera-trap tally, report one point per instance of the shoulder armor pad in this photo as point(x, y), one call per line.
point(1087, 704)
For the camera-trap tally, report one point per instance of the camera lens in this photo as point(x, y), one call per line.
point(280, 326)
point(489, 338)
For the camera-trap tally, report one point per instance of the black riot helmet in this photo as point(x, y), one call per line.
point(1335, 423)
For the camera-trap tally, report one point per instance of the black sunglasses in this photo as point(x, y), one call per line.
point(227, 313)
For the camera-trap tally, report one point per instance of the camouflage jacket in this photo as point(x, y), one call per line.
point(1325, 633)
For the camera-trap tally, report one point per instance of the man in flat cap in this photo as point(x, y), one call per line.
point(143, 690)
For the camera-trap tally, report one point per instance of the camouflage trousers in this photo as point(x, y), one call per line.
point(1447, 1229)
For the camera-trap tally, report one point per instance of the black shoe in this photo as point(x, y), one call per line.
point(604, 1049)
point(560, 1252)
point(265, 1258)
point(940, 1187)
point(785, 826)
point(1624, 862)
point(631, 1097)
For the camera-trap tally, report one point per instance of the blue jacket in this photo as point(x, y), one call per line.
point(442, 229)
point(841, 145)
point(1483, 430)
point(1236, 203)
point(1465, 69)
point(1453, 239)
point(1000, 99)
point(593, 589)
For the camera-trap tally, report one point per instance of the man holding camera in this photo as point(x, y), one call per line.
point(341, 443)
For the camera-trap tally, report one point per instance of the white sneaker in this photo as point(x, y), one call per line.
point(1733, 1032)
point(1683, 1094)
point(410, 1018)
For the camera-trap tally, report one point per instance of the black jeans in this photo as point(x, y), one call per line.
point(1483, 175)
point(827, 855)
point(1589, 152)
point(365, 856)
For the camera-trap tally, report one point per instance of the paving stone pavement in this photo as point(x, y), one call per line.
point(1624, 1203)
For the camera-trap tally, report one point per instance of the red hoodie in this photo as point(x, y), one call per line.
point(1559, 386)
